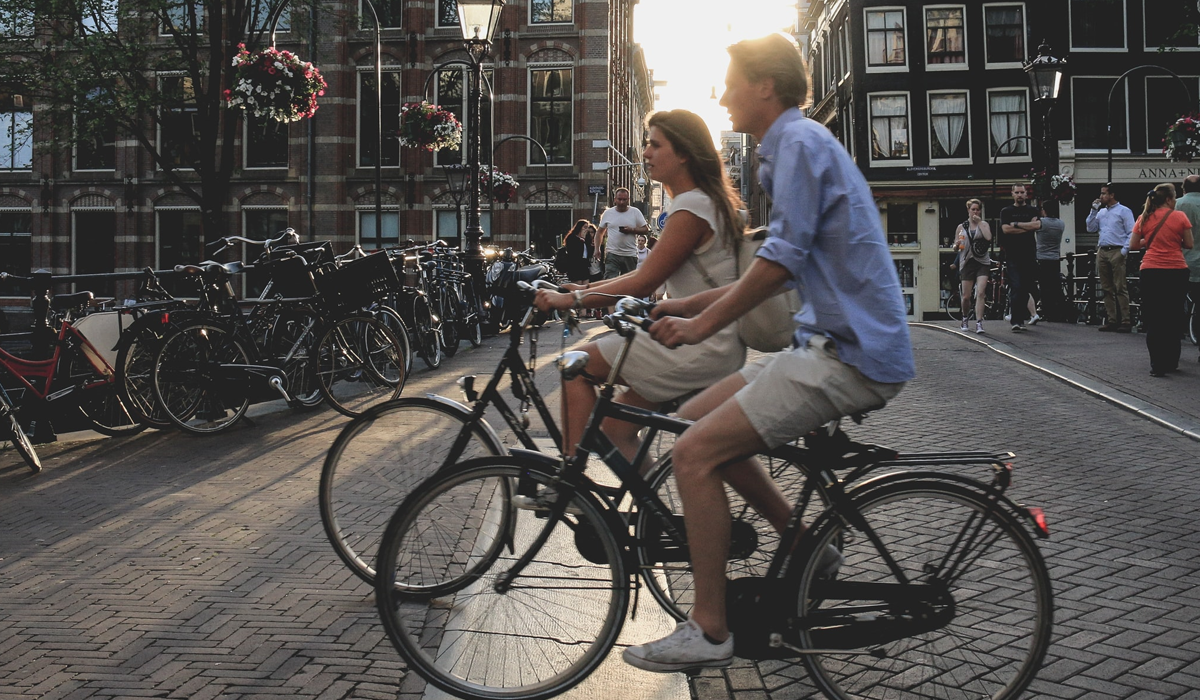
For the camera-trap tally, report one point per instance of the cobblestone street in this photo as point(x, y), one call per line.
point(169, 566)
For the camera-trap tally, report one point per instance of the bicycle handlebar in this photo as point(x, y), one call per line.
point(292, 238)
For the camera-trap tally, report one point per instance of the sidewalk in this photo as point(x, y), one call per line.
point(1111, 366)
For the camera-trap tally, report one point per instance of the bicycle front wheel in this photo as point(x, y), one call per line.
point(20, 441)
point(972, 619)
point(360, 363)
point(99, 401)
point(447, 601)
point(190, 384)
point(379, 458)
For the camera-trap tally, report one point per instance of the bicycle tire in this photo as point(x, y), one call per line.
point(392, 319)
point(293, 332)
point(1002, 581)
point(670, 582)
point(552, 627)
point(378, 459)
point(1194, 325)
point(188, 382)
point(359, 364)
point(472, 315)
point(97, 400)
point(15, 434)
point(953, 306)
point(449, 304)
point(135, 371)
point(429, 346)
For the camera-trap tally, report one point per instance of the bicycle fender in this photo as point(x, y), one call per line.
point(1031, 517)
point(462, 408)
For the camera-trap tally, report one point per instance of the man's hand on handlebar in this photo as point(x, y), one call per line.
point(551, 301)
point(674, 307)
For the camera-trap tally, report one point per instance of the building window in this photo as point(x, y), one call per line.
point(944, 40)
point(1004, 33)
point(902, 225)
point(1089, 113)
point(391, 12)
point(848, 128)
point(949, 136)
point(388, 237)
point(177, 128)
point(550, 11)
point(1007, 120)
point(16, 253)
point(550, 114)
point(260, 16)
point(96, 141)
point(266, 142)
point(546, 227)
point(1165, 102)
point(448, 222)
point(94, 238)
point(447, 13)
point(1169, 34)
point(180, 242)
point(885, 38)
point(452, 95)
point(259, 224)
point(889, 128)
point(16, 21)
point(368, 116)
point(98, 17)
point(1097, 24)
point(16, 131)
point(182, 17)
point(844, 42)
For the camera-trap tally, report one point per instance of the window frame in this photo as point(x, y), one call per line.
point(1026, 157)
point(158, 229)
point(12, 31)
point(1124, 48)
point(885, 68)
point(968, 159)
point(437, 16)
point(246, 123)
point(560, 23)
point(74, 222)
point(891, 162)
point(485, 215)
point(988, 63)
point(529, 70)
point(7, 151)
point(361, 210)
point(1157, 149)
point(75, 150)
point(1116, 148)
point(20, 290)
point(930, 66)
point(159, 135)
point(369, 71)
point(85, 20)
point(285, 15)
point(1151, 47)
point(165, 32)
point(488, 94)
point(364, 16)
point(844, 40)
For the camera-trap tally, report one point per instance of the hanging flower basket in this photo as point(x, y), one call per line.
point(426, 125)
point(1182, 140)
point(1046, 187)
point(503, 186)
point(274, 84)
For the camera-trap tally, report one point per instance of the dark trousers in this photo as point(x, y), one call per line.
point(1022, 280)
point(1162, 315)
point(1050, 283)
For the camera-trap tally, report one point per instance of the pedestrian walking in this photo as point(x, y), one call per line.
point(642, 250)
point(1189, 205)
point(1164, 233)
point(1114, 222)
point(1049, 253)
point(973, 238)
point(1017, 224)
point(619, 226)
point(574, 259)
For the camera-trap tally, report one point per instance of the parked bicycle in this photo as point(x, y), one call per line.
point(523, 557)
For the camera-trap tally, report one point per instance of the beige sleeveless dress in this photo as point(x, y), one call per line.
point(660, 374)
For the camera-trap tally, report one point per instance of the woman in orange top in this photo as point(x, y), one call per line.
point(1164, 233)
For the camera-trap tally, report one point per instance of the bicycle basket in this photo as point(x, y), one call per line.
point(291, 278)
point(359, 283)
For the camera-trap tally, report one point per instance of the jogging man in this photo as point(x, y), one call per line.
point(852, 345)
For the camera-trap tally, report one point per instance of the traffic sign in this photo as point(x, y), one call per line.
point(598, 189)
point(662, 220)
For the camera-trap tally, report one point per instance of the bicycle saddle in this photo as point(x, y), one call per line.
point(62, 302)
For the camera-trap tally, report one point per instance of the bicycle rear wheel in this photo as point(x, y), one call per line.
point(189, 382)
point(428, 344)
point(135, 372)
point(953, 306)
point(974, 620)
point(446, 607)
point(12, 430)
point(290, 342)
point(100, 402)
point(360, 364)
point(451, 307)
point(378, 459)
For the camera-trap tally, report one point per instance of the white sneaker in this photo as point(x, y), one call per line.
point(979, 326)
point(1033, 321)
point(963, 326)
point(830, 562)
point(682, 650)
point(1008, 318)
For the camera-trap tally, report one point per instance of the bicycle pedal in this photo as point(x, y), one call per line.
point(543, 501)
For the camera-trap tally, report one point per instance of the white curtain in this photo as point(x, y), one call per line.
point(1008, 120)
point(949, 114)
point(889, 125)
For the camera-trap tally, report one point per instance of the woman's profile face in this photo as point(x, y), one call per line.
point(659, 156)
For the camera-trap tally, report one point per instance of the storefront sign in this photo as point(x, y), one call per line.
point(1168, 173)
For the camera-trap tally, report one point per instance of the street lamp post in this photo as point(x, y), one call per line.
point(1187, 105)
point(1045, 78)
point(478, 20)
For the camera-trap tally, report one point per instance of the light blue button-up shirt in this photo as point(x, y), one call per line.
point(1114, 223)
point(825, 230)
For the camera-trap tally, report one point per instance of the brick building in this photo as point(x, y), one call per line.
point(564, 72)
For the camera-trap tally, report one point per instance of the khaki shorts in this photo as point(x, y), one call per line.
point(794, 392)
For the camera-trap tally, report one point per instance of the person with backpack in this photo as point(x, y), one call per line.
point(574, 257)
point(973, 240)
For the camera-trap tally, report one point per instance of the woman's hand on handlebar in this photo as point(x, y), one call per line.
point(550, 301)
point(673, 307)
point(673, 331)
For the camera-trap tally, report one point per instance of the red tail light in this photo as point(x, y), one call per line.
point(1039, 519)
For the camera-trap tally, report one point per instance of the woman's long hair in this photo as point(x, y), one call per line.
point(578, 229)
point(691, 140)
point(1156, 198)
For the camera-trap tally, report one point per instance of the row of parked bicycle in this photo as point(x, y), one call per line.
point(336, 329)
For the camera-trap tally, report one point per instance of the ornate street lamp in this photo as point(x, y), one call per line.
point(1045, 78)
point(478, 20)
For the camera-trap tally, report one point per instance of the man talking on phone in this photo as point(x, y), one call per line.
point(620, 225)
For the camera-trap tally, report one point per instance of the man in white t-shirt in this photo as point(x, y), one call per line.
point(619, 226)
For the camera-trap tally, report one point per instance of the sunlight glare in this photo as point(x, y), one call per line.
point(685, 44)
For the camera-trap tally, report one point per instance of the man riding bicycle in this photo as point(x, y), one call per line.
point(852, 350)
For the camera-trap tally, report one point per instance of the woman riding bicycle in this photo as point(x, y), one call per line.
point(696, 248)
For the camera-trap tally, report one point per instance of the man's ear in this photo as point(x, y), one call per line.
point(765, 89)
